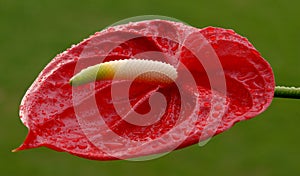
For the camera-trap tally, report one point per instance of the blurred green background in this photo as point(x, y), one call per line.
point(32, 32)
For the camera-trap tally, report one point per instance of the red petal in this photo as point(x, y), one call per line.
point(49, 111)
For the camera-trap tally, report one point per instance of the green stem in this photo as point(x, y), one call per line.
point(287, 92)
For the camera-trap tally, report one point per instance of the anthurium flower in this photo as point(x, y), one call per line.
point(145, 88)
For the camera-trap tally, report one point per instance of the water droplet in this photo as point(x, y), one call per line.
point(207, 104)
point(218, 107)
point(175, 137)
point(213, 38)
point(215, 114)
point(70, 147)
point(82, 146)
point(114, 145)
point(75, 140)
point(57, 130)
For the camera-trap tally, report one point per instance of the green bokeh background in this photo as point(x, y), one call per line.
point(32, 32)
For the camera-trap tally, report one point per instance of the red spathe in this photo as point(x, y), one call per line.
point(49, 111)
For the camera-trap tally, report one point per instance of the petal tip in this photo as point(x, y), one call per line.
point(29, 142)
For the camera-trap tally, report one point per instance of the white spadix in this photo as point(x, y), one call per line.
point(127, 69)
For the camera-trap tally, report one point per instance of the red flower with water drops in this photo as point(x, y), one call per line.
point(221, 79)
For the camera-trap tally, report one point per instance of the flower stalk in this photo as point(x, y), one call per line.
point(287, 92)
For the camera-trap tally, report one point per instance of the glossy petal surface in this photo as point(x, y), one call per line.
point(49, 111)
